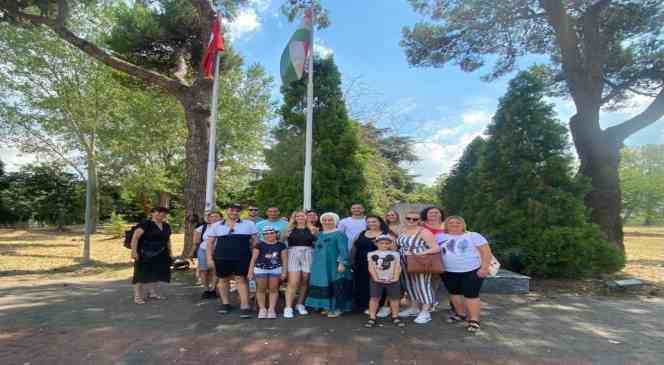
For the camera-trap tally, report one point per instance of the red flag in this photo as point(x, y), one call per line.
point(216, 44)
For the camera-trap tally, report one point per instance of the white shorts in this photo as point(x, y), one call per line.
point(299, 259)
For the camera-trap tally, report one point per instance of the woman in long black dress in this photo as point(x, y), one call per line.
point(363, 244)
point(151, 252)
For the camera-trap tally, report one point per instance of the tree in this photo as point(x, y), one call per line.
point(642, 182)
point(159, 43)
point(338, 179)
point(601, 52)
point(46, 194)
point(462, 180)
point(523, 189)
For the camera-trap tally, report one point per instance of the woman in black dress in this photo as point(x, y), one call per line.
point(363, 244)
point(151, 252)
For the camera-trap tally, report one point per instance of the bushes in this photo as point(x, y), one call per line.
point(571, 252)
point(118, 225)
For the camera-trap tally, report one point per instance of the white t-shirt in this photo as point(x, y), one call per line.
point(459, 252)
point(352, 227)
point(205, 234)
point(385, 263)
point(244, 226)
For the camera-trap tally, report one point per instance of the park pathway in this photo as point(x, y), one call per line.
point(55, 323)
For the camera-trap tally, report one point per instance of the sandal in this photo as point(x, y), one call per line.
point(139, 300)
point(455, 318)
point(371, 323)
point(473, 326)
point(156, 297)
point(398, 322)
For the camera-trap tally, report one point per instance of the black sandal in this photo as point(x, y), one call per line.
point(371, 323)
point(398, 322)
point(455, 318)
point(473, 326)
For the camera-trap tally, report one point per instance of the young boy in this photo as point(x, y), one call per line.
point(385, 269)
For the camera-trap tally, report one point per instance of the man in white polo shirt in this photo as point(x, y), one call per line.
point(229, 252)
point(352, 226)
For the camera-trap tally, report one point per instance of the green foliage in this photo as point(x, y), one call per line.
point(518, 189)
point(642, 183)
point(117, 225)
point(338, 178)
point(571, 252)
point(43, 193)
point(176, 219)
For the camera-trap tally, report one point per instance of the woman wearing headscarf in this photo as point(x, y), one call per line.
point(330, 283)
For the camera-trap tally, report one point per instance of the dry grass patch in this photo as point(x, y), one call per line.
point(41, 254)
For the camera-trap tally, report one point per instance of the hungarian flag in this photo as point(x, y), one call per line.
point(294, 57)
point(216, 45)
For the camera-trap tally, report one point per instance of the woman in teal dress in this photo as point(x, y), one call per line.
point(330, 283)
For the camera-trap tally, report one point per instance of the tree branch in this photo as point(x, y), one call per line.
point(170, 85)
point(653, 113)
point(568, 41)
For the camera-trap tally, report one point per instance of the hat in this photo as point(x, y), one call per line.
point(235, 206)
point(269, 229)
point(384, 237)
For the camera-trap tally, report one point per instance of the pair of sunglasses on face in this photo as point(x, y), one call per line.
point(412, 219)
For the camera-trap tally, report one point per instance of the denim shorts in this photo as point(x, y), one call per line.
point(264, 273)
point(202, 259)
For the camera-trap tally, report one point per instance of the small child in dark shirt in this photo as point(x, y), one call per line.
point(385, 269)
point(268, 259)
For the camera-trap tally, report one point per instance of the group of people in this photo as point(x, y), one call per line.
point(330, 265)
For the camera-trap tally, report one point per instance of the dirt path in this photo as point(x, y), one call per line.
point(96, 323)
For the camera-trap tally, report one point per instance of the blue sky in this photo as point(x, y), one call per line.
point(443, 109)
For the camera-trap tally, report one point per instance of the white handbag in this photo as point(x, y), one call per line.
point(494, 266)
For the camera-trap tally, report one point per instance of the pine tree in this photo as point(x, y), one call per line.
point(338, 173)
point(524, 195)
point(461, 181)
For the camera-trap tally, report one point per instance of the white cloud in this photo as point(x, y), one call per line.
point(322, 50)
point(439, 157)
point(245, 24)
point(477, 117)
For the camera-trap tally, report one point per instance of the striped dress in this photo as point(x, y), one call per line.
point(418, 286)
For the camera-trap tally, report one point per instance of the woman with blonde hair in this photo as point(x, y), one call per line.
point(300, 236)
point(393, 221)
point(466, 258)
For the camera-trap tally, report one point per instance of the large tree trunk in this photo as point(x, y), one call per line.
point(197, 113)
point(600, 159)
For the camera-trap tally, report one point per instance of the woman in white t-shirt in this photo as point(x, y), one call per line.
point(466, 258)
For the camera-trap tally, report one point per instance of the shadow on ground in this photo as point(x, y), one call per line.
point(97, 323)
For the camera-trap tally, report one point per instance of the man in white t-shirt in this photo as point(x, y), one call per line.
point(206, 275)
point(354, 225)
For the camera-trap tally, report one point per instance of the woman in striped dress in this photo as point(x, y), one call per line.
point(414, 240)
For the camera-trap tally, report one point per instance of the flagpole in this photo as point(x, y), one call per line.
point(310, 117)
point(211, 166)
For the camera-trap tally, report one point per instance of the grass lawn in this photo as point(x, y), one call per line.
point(39, 254)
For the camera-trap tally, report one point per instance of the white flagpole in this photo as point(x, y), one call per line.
point(310, 117)
point(211, 167)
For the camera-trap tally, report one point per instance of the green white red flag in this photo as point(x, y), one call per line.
point(216, 45)
point(294, 57)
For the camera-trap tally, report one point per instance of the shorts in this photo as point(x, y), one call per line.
point(267, 273)
point(467, 284)
point(392, 290)
point(299, 258)
point(202, 259)
point(226, 268)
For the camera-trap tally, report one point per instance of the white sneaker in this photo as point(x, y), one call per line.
point(366, 312)
point(288, 312)
point(262, 314)
point(301, 309)
point(271, 314)
point(423, 317)
point(383, 312)
point(333, 314)
point(410, 312)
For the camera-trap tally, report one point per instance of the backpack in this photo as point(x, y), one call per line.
point(198, 244)
point(128, 235)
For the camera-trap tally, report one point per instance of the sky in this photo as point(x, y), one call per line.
point(443, 109)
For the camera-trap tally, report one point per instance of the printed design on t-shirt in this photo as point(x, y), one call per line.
point(463, 246)
point(451, 245)
point(384, 265)
point(272, 257)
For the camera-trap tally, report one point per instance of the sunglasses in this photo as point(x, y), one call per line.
point(411, 219)
point(253, 210)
